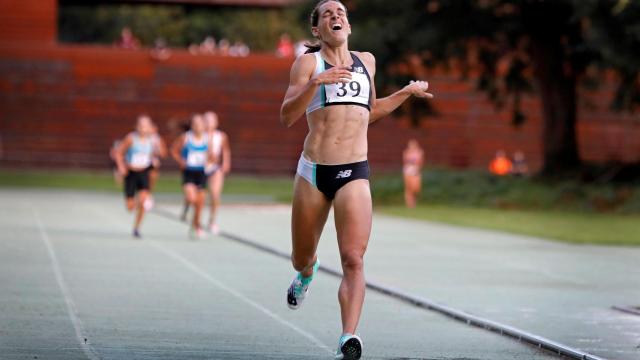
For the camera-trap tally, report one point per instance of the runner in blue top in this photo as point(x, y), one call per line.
point(335, 88)
point(192, 152)
point(133, 158)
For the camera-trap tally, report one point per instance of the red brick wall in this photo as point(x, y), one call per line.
point(28, 21)
point(62, 106)
point(607, 136)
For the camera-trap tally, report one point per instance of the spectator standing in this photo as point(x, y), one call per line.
point(208, 46)
point(127, 40)
point(501, 165)
point(520, 167)
point(239, 49)
point(160, 50)
point(285, 46)
point(223, 47)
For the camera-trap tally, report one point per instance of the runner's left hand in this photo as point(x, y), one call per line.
point(418, 88)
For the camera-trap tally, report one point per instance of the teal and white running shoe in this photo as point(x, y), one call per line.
point(299, 288)
point(349, 347)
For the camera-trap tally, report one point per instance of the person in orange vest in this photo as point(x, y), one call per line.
point(501, 165)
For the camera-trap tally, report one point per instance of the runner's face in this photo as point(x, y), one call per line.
point(197, 125)
point(144, 126)
point(333, 25)
point(212, 121)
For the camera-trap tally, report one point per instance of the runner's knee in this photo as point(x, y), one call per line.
point(131, 204)
point(352, 260)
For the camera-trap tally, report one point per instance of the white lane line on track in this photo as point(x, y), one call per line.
point(72, 311)
point(206, 276)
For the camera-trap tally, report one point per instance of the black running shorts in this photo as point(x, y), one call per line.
point(195, 177)
point(330, 178)
point(136, 181)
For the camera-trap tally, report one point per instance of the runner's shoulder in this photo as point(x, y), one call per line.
point(304, 64)
point(367, 59)
point(365, 56)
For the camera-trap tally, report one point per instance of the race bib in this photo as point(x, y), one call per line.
point(140, 160)
point(356, 91)
point(196, 158)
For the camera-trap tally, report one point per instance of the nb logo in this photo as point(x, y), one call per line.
point(343, 174)
point(359, 69)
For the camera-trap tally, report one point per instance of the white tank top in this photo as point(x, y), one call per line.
point(216, 142)
point(355, 92)
point(139, 153)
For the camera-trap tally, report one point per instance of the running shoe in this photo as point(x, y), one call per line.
point(214, 229)
point(299, 288)
point(136, 234)
point(148, 203)
point(196, 234)
point(349, 347)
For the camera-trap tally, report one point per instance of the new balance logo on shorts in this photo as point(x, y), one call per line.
point(343, 174)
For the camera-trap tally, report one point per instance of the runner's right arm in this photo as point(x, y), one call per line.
point(302, 86)
point(120, 152)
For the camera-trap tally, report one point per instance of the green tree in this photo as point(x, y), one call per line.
point(521, 45)
point(260, 28)
point(178, 25)
point(103, 23)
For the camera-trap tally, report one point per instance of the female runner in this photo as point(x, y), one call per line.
point(334, 87)
point(412, 159)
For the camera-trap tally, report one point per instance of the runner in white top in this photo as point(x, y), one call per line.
point(133, 158)
point(335, 87)
point(218, 168)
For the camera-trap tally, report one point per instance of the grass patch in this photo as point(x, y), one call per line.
point(480, 189)
point(567, 211)
point(577, 228)
point(279, 188)
point(73, 179)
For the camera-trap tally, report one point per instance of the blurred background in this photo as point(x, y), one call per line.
point(556, 82)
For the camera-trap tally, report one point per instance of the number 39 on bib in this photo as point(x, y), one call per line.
point(355, 91)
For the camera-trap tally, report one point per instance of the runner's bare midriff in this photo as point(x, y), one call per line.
point(337, 135)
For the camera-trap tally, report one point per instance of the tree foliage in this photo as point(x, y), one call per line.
point(178, 25)
point(604, 33)
point(511, 47)
point(613, 33)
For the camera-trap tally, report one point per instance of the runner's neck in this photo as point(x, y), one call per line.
point(339, 56)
